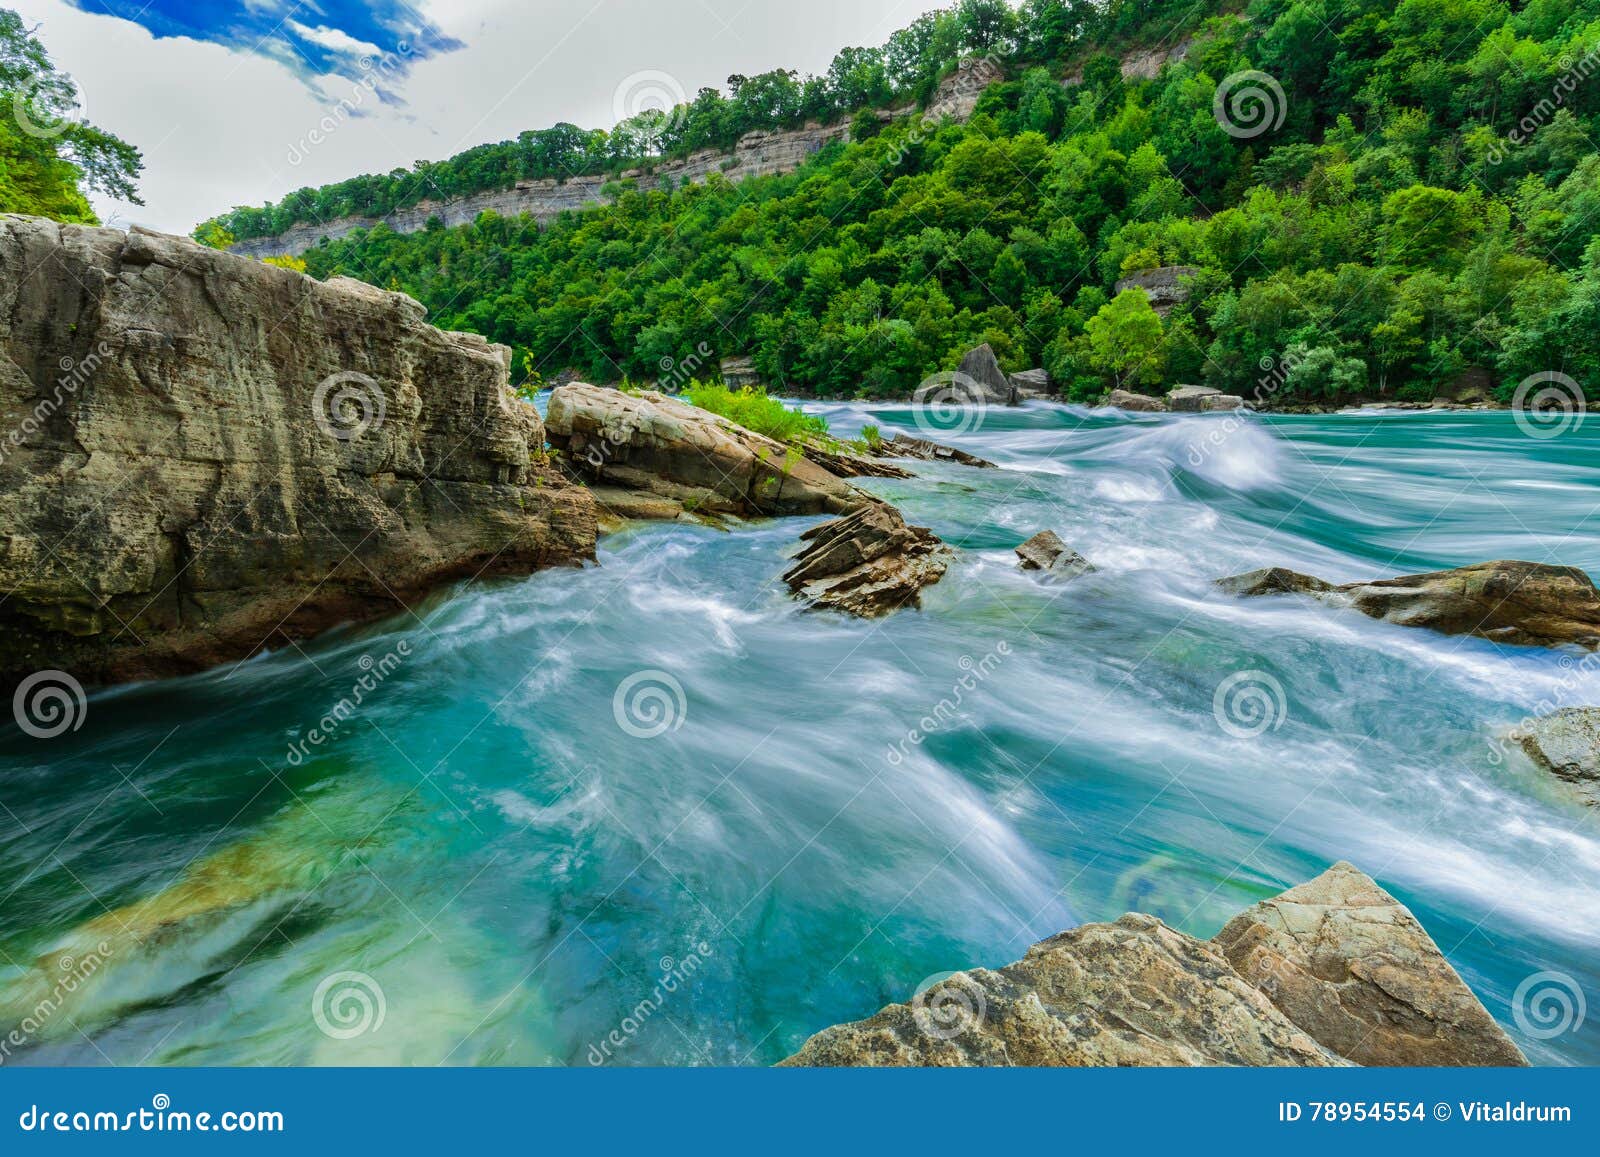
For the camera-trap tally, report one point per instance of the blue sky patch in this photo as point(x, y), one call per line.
point(312, 38)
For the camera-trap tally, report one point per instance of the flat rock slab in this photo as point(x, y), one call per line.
point(1521, 603)
point(900, 446)
point(1136, 403)
point(1348, 963)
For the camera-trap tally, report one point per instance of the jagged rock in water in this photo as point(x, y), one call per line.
point(1328, 973)
point(1567, 744)
point(1031, 384)
point(1190, 399)
point(1348, 963)
point(982, 369)
point(867, 563)
point(1522, 603)
point(1136, 403)
point(846, 463)
point(1046, 552)
point(648, 441)
point(900, 446)
point(1133, 992)
point(212, 455)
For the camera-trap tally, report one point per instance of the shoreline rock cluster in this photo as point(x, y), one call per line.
point(204, 456)
point(1330, 973)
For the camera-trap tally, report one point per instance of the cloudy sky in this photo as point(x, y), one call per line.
point(224, 96)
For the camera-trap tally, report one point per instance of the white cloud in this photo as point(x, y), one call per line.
point(219, 128)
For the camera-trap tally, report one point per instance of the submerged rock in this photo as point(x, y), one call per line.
point(210, 455)
point(1348, 963)
point(867, 563)
point(983, 368)
point(1522, 603)
point(900, 446)
point(1331, 972)
point(1136, 403)
point(1046, 552)
point(650, 442)
point(1567, 744)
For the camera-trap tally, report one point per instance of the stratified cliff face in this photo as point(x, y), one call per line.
point(757, 154)
point(202, 456)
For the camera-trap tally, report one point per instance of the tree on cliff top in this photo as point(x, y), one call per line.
point(49, 157)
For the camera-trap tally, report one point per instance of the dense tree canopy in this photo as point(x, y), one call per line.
point(1422, 199)
point(49, 158)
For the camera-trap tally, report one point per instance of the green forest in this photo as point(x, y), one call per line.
point(1420, 202)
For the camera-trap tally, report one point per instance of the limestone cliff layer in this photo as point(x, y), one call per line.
point(202, 456)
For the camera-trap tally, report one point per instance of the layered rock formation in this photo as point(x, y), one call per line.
point(205, 455)
point(867, 563)
point(1166, 287)
point(1136, 403)
point(1522, 603)
point(1566, 743)
point(901, 446)
point(1329, 973)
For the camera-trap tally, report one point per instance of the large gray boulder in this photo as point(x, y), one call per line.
point(1329, 973)
point(1031, 384)
point(867, 563)
point(648, 441)
point(1522, 603)
point(983, 369)
point(1190, 399)
point(1566, 743)
point(1136, 403)
point(1349, 964)
point(204, 456)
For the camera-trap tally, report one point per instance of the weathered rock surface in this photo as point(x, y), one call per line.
point(1190, 399)
point(1331, 972)
point(1212, 403)
point(1522, 603)
point(1349, 964)
point(1166, 287)
point(1567, 744)
point(1136, 403)
point(1046, 552)
point(867, 563)
point(1031, 384)
point(982, 369)
point(651, 442)
point(846, 463)
point(1133, 992)
point(205, 455)
point(901, 446)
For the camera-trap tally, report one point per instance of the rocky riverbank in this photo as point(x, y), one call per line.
point(205, 456)
point(1333, 972)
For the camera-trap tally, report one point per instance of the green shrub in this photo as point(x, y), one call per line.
point(754, 410)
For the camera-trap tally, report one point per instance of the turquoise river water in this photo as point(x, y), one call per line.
point(650, 812)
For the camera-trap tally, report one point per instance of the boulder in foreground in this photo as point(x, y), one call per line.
point(1566, 743)
point(210, 456)
point(1348, 963)
point(867, 563)
point(1522, 603)
point(1329, 973)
